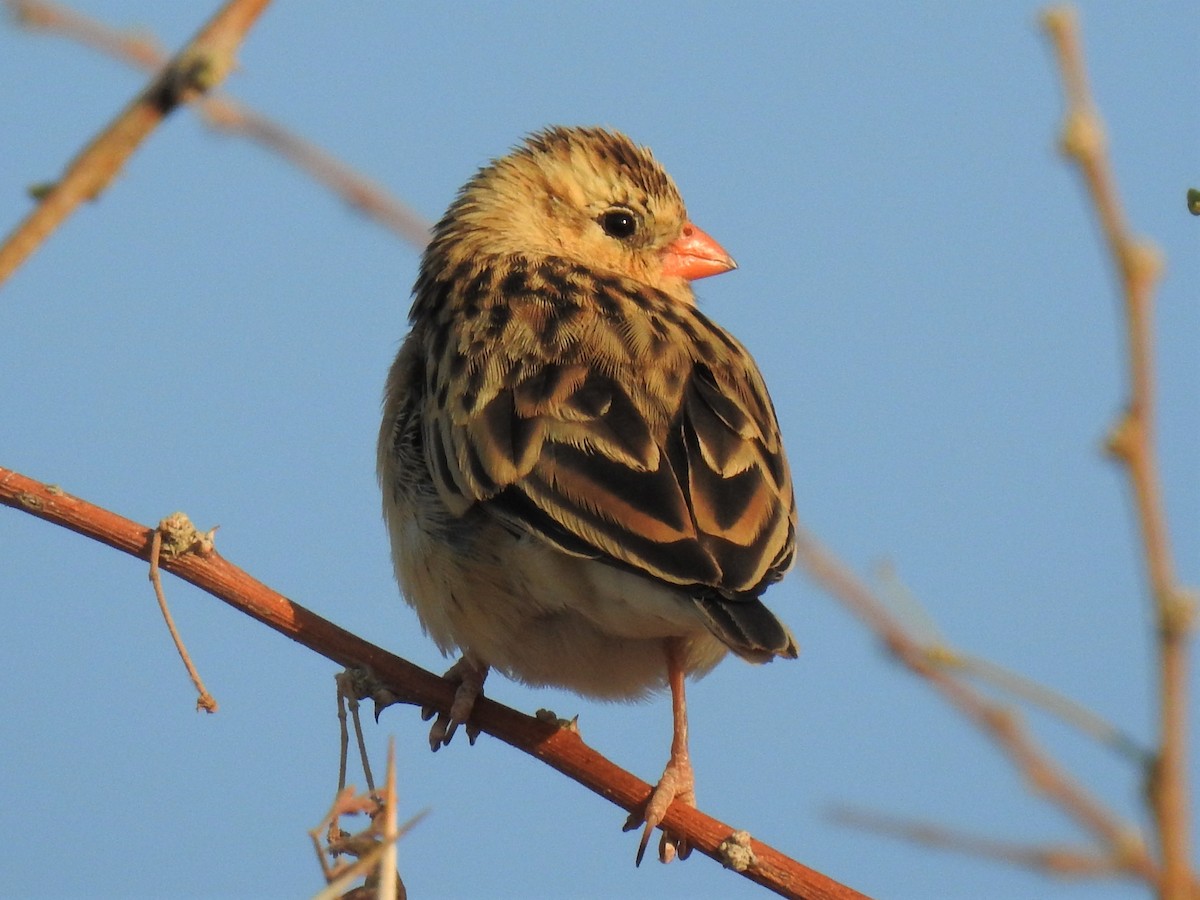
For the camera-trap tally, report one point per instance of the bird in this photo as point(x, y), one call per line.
point(583, 477)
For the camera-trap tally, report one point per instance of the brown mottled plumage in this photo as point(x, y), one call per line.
point(582, 474)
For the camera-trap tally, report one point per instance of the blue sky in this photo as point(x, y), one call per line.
point(921, 282)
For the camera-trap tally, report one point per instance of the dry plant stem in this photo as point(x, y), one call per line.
point(921, 628)
point(388, 879)
point(361, 741)
point(343, 735)
point(225, 114)
point(367, 847)
point(1119, 839)
point(560, 748)
point(367, 197)
point(202, 64)
point(347, 697)
point(1132, 442)
point(205, 701)
point(43, 16)
point(1052, 702)
point(1060, 861)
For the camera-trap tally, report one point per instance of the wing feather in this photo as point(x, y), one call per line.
point(671, 466)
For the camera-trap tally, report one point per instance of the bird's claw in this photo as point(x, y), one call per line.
point(677, 783)
point(469, 686)
point(359, 683)
point(383, 698)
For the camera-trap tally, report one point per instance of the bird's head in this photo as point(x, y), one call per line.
point(590, 196)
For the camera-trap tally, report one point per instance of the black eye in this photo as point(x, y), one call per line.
point(619, 223)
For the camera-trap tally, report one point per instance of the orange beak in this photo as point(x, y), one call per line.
point(695, 255)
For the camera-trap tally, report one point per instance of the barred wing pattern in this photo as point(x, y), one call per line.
point(616, 423)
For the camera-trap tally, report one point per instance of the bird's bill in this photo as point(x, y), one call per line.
point(695, 255)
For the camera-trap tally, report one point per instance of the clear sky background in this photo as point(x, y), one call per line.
point(921, 282)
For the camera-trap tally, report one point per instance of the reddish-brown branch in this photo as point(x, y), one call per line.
point(202, 64)
point(1131, 441)
point(560, 748)
point(225, 114)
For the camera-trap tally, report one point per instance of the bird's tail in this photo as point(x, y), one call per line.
point(747, 628)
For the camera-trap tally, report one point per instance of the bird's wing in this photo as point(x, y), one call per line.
point(618, 424)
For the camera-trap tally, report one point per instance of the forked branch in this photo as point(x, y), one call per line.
point(223, 113)
point(1131, 442)
point(201, 65)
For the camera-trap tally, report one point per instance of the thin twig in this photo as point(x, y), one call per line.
point(200, 66)
point(922, 629)
point(370, 847)
point(1051, 859)
point(348, 696)
point(341, 879)
point(343, 733)
point(388, 875)
point(1063, 708)
point(138, 48)
point(1121, 840)
point(1132, 442)
point(221, 112)
point(205, 700)
point(898, 597)
point(558, 747)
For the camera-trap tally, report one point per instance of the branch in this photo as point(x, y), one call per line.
point(560, 748)
point(1055, 704)
point(1131, 441)
point(222, 113)
point(199, 66)
point(921, 628)
point(138, 48)
point(1049, 859)
point(1121, 840)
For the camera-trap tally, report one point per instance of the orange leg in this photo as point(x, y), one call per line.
point(678, 781)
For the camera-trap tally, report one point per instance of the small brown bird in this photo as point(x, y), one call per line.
point(582, 474)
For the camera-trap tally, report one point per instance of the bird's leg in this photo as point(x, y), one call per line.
point(468, 676)
point(678, 781)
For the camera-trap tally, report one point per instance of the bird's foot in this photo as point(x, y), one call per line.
point(468, 678)
point(355, 684)
point(677, 783)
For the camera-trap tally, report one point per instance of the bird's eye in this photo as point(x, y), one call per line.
point(619, 223)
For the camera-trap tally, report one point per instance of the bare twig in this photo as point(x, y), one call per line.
point(38, 15)
point(1048, 700)
point(921, 629)
point(193, 542)
point(1051, 859)
point(348, 697)
point(560, 748)
point(1121, 840)
point(372, 849)
point(389, 878)
point(198, 67)
point(223, 113)
point(1131, 441)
